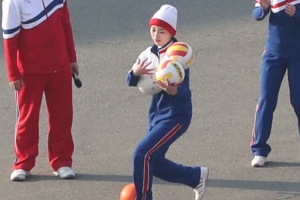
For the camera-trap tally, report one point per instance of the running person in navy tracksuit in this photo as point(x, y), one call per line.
point(169, 117)
point(282, 53)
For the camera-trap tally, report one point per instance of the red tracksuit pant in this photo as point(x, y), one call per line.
point(57, 88)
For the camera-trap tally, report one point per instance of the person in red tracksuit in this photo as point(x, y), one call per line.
point(40, 59)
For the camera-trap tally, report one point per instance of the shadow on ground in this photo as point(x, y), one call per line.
point(278, 186)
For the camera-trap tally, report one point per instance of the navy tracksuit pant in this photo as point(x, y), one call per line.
point(149, 158)
point(273, 70)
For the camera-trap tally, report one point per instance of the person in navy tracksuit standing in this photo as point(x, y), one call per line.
point(170, 114)
point(281, 55)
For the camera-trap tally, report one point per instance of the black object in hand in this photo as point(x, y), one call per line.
point(77, 81)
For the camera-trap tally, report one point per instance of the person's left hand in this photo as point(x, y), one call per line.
point(75, 68)
point(166, 86)
point(290, 9)
point(17, 84)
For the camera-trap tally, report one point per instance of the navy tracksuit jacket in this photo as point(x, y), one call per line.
point(169, 117)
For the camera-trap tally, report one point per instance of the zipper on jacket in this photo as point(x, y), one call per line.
point(50, 30)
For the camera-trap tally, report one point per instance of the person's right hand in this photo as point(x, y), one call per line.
point(140, 68)
point(264, 3)
point(290, 9)
point(17, 84)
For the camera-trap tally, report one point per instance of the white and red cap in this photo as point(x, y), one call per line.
point(165, 17)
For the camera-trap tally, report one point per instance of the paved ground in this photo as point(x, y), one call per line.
point(110, 118)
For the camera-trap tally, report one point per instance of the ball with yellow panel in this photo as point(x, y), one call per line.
point(181, 52)
point(170, 70)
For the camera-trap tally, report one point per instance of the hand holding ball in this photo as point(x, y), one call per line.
point(147, 82)
point(179, 57)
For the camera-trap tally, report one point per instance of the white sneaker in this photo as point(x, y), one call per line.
point(259, 161)
point(19, 175)
point(65, 173)
point(200, 189)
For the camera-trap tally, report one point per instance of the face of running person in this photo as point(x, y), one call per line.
point(159, 35)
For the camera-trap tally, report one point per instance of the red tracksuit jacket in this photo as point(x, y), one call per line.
point(30, 40)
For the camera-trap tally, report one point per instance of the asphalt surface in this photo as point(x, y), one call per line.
point(110, 118)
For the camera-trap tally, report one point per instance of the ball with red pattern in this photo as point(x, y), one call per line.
point(181, 52)
point(170, 70)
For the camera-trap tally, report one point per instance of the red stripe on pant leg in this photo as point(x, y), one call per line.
point(147, 157)
point(253, 130)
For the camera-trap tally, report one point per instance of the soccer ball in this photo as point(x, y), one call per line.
point(128, 192)
point(181, 52)
point(171, 70)
point(147, 83)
